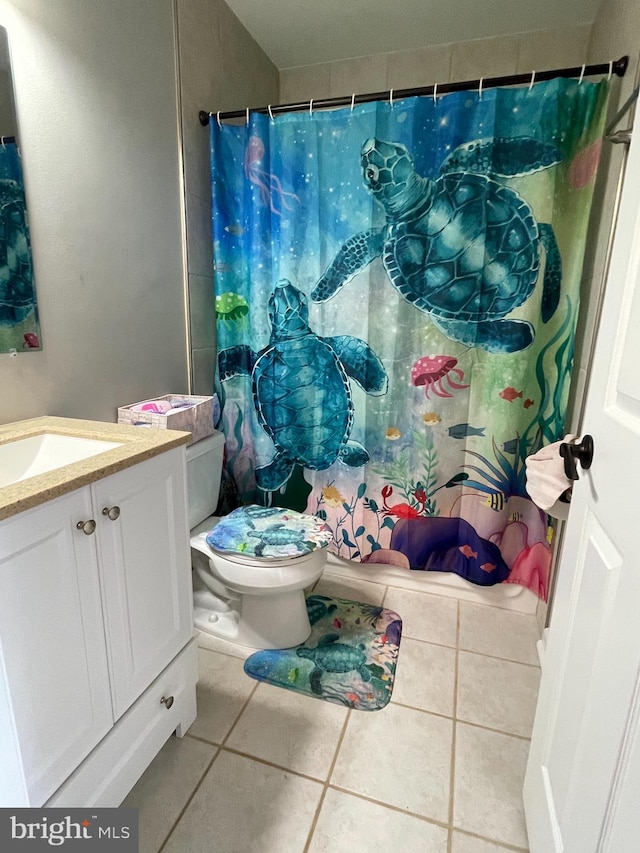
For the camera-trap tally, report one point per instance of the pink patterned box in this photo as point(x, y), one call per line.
point(198, 419)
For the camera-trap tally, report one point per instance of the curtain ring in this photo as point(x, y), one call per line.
point(218, 118)
point(391, 98)
point(480, 89)
point(610, 70)
point(311, 107)
point(270, 113)
point(435, 93)
point(581, 75)
point(353, 101)
point(533, 80)
point(247, 115)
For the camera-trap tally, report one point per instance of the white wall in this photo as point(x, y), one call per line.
point(96, 97)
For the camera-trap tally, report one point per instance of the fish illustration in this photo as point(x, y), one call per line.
point(467, 551)
point(527, 403)
point(31, 340)
point(488, 567)
point(494, 501)
point(464, 430)
point(430, 418)
point(237, 230)
point(549, 534)
point(515, 516)
point(512, 446)
point(509, 394)
point(393, 434)
point(337, 623)
point(292, 677)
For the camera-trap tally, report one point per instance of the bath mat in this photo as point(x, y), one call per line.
point(349, 659)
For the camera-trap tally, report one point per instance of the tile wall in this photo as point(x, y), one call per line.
point(221, 68)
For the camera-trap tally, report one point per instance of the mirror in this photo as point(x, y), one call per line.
point(19, 326)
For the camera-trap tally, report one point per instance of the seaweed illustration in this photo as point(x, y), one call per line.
point(548, 422)
point(506, 476)
point(417, 486)
point(345, 532)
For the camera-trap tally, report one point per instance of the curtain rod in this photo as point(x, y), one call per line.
point(617, 67)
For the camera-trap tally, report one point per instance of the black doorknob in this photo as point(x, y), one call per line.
point(573, 453)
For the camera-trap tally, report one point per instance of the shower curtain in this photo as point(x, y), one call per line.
point(397, 288)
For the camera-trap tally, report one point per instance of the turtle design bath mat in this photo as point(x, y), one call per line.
point(349, 659)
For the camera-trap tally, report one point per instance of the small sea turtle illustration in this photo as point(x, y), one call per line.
point(280, 534)
point(301, 389)
point(463, 247)
point(317, 609)
point(331, 656)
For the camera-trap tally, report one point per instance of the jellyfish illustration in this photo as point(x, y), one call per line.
point(434, 372)
point(231, 306)
point(271, 190)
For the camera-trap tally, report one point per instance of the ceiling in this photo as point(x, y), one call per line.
point(304, 32)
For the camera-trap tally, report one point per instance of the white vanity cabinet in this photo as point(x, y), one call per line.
point(97, 662)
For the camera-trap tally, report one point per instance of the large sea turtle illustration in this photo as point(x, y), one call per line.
point(464, 248)
point(301, 389)
point(331, 656)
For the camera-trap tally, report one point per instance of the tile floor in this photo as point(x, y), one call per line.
point(439, 770)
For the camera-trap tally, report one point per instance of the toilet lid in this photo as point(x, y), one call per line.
point(270, 533)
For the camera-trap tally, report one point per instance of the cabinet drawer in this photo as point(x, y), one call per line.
point(119, 760)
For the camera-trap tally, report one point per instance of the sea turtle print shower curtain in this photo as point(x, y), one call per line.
point(397, 288)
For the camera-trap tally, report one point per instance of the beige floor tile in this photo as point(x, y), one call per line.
point(503, 633)
point(398, 756)
point(489, 774)
point(164, 788)
point(425, 676)
point(294, 731)
point(497, 693)
point(468, 844)
point(351, 588)
point(425, 617)
point(243, 806)
point(349, 824)
point(222, 690)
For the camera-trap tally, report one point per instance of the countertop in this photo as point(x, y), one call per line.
point(137, 444)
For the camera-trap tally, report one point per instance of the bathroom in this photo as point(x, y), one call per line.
point(118, 183)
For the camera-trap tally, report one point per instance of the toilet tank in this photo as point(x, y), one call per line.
point(204, 469)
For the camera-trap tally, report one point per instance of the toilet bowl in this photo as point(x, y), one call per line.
point(246, 590)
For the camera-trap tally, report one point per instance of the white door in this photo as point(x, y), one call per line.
point(145, 570)
point(582, 788)
point(55, 704)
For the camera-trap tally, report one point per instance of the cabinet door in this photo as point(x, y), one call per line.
point(145, 571)
point(54, 684)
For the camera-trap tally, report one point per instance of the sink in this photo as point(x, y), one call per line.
point(38, 454)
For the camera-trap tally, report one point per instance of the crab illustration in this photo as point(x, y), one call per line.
point(463, 248)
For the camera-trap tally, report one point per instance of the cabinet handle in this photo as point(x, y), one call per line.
point(167, 701)
point(87, 527)
point(112, 512)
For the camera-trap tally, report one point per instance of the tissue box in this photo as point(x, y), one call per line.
point(198, 419)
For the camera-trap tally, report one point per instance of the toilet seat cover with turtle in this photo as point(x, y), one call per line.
point(270, 533)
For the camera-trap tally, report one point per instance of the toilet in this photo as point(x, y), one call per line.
point(251, 567)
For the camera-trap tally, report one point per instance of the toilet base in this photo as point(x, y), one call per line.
point(262, 622)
